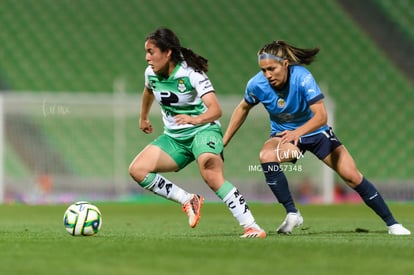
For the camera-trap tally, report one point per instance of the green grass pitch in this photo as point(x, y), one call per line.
point(154, 238)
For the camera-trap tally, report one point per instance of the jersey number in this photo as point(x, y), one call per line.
point(168, 98)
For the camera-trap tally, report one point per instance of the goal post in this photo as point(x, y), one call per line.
point(328, 175)
point(2, 185)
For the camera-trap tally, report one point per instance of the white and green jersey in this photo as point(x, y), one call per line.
point(180, 93)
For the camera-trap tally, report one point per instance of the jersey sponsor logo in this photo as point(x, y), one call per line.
point(283, 117)
point(168, 98)
point(207, 83)
point(207, 86)
point(204, 80)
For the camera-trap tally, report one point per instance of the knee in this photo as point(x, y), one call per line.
point(214, 179)
point(353, 179)
point(208, 176)
point(136, 172)
point(211, 171)
point(267, 155)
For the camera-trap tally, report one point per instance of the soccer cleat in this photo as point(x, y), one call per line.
point(398, 229)
point(253, 232)
point(291, 221)
point(192, 208)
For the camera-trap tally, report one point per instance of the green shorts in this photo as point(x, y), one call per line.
point(183, 152)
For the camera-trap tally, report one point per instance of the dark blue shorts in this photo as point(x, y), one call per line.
point(320, 145)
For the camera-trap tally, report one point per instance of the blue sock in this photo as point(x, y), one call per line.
point(278, 183)
point(373, 199)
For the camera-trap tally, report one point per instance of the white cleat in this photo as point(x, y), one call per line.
point(398, 229)
point(291, 221)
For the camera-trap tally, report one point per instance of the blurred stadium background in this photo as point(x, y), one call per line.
point(71, 74)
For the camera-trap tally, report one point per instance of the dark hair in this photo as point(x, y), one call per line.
point(293, 54)
point(165, 39)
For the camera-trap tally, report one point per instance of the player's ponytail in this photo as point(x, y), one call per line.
point(166, 39)
point(282, 50)
point(195, 61)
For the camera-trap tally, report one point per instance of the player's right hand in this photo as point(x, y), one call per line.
point(145, 126)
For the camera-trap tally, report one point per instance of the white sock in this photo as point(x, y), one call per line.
point(165, 188)
point(238, 207)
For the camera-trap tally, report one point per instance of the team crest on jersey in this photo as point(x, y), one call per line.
point(181, 85)
point(281, 103)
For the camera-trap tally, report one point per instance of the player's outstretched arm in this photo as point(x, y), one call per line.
point(236, 121)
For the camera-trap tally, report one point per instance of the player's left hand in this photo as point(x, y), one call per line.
point(185, 119)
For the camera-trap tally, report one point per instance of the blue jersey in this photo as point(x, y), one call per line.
point(288, 108)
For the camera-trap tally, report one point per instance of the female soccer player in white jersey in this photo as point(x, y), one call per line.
point(176, 78)
point(298, 121)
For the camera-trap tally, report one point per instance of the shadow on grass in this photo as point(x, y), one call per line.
point(306, 231)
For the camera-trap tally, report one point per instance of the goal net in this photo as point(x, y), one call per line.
point(62, 147)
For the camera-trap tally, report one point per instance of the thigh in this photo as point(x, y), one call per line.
point(152, 159)
point(178, 151)
point(321, 144)
point(209, 140)
point(275, 151)
point(342, 162)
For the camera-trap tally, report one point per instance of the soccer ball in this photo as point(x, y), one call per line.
point(82, 219)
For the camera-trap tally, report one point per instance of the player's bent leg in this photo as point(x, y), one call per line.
point(342, 162)
point(240, 210)
point(151, 159)
point(278, 184)
point(271, 155)
point(211, 169)
point(191, 203)
point(143, 170)
point(275, 151)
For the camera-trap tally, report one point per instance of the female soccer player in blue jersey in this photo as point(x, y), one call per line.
point(298, 121)
point(176, 78)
